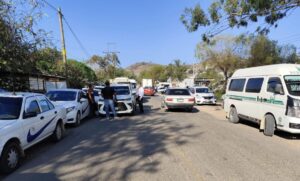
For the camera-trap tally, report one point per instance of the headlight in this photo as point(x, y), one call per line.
point(293, 107)
point(69, 109)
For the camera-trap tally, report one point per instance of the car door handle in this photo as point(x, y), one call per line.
point(42, 117)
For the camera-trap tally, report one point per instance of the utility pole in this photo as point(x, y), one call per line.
point(111, 53)
point(63, 45)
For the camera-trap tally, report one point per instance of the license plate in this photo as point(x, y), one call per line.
point(179, 100)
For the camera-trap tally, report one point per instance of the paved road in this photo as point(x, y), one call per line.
point(164, 146)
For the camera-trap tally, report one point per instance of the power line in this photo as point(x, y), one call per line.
point(76, 37)
point(50, 5)
point(69, 27)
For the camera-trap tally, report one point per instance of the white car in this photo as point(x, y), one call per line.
point(75, 102)
point(177, 98)
point(126, 103)
point(203, 95)
point(26, 119)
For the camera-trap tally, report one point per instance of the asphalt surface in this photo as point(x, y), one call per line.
point(160, 145)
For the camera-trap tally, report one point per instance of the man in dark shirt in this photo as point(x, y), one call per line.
point(91, 99)
point(108, 94)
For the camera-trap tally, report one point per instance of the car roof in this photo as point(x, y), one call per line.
point(19, 94)
point(65, 90)
point(266, 70)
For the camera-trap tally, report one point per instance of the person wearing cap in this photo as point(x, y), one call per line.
point(108, 94)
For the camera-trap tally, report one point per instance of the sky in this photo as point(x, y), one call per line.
point(147, 30)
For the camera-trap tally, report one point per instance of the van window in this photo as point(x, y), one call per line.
point(237, 85)
point(274, 84)
point(293, 84)
point(254, 85)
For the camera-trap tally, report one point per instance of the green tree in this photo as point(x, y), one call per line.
point(222, 56)
point(47, 60)
point(79, 74)
point(264, 52)
point(224, 14)
point(179, 70)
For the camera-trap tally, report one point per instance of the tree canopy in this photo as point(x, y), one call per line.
point(225, 14)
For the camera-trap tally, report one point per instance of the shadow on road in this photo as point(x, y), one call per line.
point(109, 150)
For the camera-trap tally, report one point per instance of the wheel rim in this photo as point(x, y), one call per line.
point(58, 132)
point(12, 158)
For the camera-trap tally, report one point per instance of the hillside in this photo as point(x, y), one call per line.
point(137, 68)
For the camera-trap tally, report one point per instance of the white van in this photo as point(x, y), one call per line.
point(268, 95)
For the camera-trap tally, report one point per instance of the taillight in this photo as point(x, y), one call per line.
point(191, 99)
point(169, 99)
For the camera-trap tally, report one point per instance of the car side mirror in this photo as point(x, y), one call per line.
point(29, 115)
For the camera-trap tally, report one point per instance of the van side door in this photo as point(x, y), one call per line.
point(274, 99)
point(252, 92)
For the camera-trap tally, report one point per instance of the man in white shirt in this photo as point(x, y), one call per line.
point(139, 99)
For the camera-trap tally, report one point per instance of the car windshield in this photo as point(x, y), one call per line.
point(10, 107)
point(122, 90)
point(62, 95)
point(175, 92)
point(202, 90)
point(293, 84)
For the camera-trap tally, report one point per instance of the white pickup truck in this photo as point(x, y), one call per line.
point(26, 119)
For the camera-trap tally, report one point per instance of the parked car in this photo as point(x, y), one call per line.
point(26, 119)
point(126, 103)
point(178, 98)
point(149, 91)
point(267, 95)
point(74, 100)
point(203, 95)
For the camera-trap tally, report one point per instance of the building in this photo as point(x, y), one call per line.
point(31, 82)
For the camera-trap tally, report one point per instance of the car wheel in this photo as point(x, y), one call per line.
point(58, 132)
point(269, 125)
point(10, 159)
point(233, 115)
point(78, 121)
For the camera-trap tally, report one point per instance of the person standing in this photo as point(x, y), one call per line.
point(140, 96)
point(91, 99)
point(108, 94)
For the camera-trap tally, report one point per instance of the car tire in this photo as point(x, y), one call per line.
point(233, 116)
point(78, 121)
point(58, 132)
point(269, 125)
point(10, 158)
